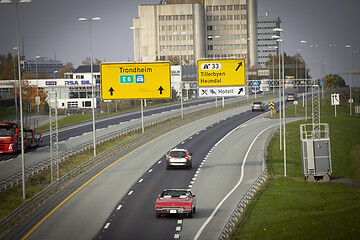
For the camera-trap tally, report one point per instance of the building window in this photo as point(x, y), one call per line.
point(190, 47)
point(161, 18)
point(230, 17)
point(175, 17)
point(189, 17)
point(86, 104)
point(216, 18)
point(183, 27)
point(223, 17)
point(168, 17)
point(210, 47)
point(215, 8)
point(243, 7)
point(208, 8)
point(189, 27)
point(237, 17)
point(209, 28)
point(236, 7)
point(243, 16)
point(182, 17)
point(208, 18)
point(222, 7)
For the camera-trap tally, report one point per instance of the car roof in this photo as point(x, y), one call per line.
point(178, 149)
point(177, 189)
point(257, 102)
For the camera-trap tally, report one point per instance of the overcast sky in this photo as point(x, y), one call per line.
point(51, 28)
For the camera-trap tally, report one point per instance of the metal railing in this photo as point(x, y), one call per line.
point(249, 194)
point(171, 121)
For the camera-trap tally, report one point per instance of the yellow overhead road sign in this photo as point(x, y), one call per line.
point(229, 72)
point(135, 80)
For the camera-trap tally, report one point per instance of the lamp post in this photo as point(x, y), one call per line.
point(92, 79)
point(278, 40)
point(37, 83)
point(283, 78)
point(15, 85)
point(138, 40)
point(332, 57)
point(350, 100)
point(138, 60)
point(305, 76)
point(17, 2)
point(181, 87)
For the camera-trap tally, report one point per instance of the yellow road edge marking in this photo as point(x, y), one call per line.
point(91, 179)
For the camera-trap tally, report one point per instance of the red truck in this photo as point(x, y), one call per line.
point(10, 137)
point(175, 201)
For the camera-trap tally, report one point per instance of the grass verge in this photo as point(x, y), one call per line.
point(289, 207)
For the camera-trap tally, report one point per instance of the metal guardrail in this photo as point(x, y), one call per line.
point(28, 206)
point(36, 168)
point(240, 207)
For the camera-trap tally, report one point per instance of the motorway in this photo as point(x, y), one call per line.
point(75, 135)
point(116, 201)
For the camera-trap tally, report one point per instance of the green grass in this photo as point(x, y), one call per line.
point(289, 207)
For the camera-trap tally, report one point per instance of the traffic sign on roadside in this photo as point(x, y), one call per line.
point(140, 80)
point(255, 83)
point(222, 91)
point(227, 72)
point(335, 99)
point(271, 105)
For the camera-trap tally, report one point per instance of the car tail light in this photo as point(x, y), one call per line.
point(168, 156)
point(187, 207)
point(187, 157)
point(158, 207)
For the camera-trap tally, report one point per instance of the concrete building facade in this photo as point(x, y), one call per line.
point(266, 44)
point(196, 29)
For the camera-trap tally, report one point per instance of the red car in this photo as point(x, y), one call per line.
point(175, 201)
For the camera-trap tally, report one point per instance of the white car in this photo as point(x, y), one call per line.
point(178, 157)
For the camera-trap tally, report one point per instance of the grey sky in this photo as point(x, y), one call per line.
point(51, 27)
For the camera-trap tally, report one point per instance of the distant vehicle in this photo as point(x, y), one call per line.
point(178, 158)
point(10, 137)
point(257, 106)
point(290, 97)
point(175, 201)
point(255, 90)
point(264, 86)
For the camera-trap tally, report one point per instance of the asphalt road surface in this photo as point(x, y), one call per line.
point(117, 201)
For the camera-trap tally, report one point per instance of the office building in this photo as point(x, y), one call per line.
point(266, 44)
point(196, 29)
point(42, 65)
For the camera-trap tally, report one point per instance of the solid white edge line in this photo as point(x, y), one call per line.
point(232, 190)
point(118, 208)
point(141, 180)
point(107, 225)
point(131, 192)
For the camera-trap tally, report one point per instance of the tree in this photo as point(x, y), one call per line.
point(294, 66)
point(333, 82)
point(69, 67)
point(7, 67)
point(86, 61)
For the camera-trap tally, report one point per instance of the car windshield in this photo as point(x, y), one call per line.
point(178, 154)
point(176, 194)
point(257, 103)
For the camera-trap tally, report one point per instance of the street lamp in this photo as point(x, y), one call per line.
point(332, 57)
point(37, 84)
point(278, 40)
point(92, 79)
point(181, 87)
point(305, 42)
point(350, 100)
point(283, 77)
point(17, 2)
point(15, 85)
point(138, 40)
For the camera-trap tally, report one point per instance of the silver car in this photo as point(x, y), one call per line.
point(178, 157)
point(257, 106)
